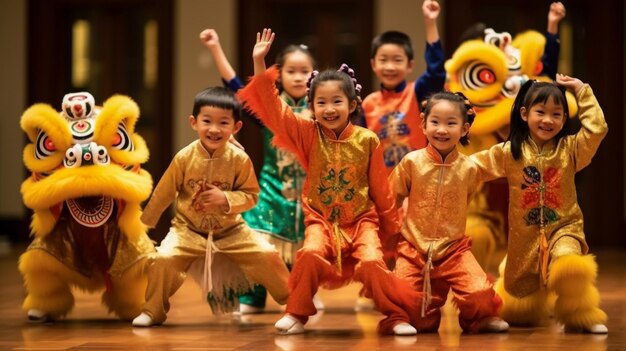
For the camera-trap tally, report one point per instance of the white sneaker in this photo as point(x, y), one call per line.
point(143, 320)
point(317, 302)
point(38, 316)
point(404, 329)
point(249, 309)
point(289, 325)
point(492, 325)
point(597, 329)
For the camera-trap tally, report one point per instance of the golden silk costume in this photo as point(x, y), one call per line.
point(545, 219)
point(489, 71)
point(85, 191)
point(434, 253)
point(347, 205)
point(219, 238)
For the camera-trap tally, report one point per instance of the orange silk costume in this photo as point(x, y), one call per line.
point(344, 209)
point(434, 254)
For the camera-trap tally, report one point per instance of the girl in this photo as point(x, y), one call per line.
point(547, 252)
point(343, 209)
point(278, 214)
point(434, 252)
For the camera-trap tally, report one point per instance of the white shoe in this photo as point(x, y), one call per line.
point(143, 320)
point(492, 325)
point(317, 302)
point(404, 329)
point(249, 309)
point(38, 316)
point(597, 329)
point(289, 325)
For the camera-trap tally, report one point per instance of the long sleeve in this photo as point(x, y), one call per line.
point(382, 195)
point(235, 85)
point(164, 194)
point(550, 58)
point(434, 77)
point(593, 130)
point(400, 181)
point(491, 162)
point(295, 134)
point(245, 193)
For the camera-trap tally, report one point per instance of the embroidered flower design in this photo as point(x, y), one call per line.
point(535, 188)
point(335, 187)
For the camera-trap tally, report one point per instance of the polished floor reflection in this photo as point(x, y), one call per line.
point(190, 325)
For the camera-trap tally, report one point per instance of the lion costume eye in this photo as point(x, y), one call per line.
point(122, 140)
point(476, 75)
point(44, 146)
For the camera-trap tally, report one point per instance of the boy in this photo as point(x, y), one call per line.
point(393, 112)
point(213, 182)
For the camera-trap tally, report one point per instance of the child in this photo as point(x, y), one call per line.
point(393, 112)
point(278, 214)
point(434, 252)
point(212, 182)
point(343, 209)
point(547, 253)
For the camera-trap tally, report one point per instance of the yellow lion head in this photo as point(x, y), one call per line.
point(490, 72)
point(85, 161)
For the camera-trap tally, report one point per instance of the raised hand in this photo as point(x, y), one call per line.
point(571, 83)
point(555, 15)
point(209, 38)
point(431, 9)
point(263, 43)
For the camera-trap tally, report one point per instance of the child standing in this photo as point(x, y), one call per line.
point(344, 210)
point(212, 182)
point(278, 214)
point(547, 252)
point(434, 252)
point(393, 112)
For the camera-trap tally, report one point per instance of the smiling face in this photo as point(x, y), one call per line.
point(545, 120)
point(444, 126)
point(391, 65)
point(331, 106)
point(214, 125)
point(294, 74)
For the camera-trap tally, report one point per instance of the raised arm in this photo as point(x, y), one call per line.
point(261, 48)
point(555, 15)
point(431, 10)
point(211, 40)
point(433, 79)
point(593, 125)
point(550, 58)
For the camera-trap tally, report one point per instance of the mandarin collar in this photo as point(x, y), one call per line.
point(216, 154)
point(345, 133)
point(398, 89)
point(436, 156)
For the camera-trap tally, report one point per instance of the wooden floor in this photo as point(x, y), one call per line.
point(190, 325)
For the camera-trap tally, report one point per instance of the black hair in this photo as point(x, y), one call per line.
point(347, 84)
point(392, 37)
point(530, 94)
point(281, 58)
point(282, 55)
point(465, 107)
point(217, 97)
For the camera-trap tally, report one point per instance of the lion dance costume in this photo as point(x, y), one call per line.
point(85, 190)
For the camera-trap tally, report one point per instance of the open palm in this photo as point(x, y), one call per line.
point(263, 43)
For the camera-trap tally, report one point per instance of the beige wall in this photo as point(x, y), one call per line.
point(12, 100)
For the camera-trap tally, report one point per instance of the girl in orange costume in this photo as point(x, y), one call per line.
point(343, 210)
